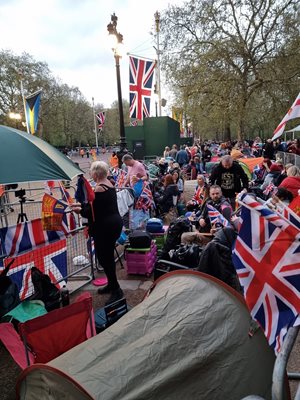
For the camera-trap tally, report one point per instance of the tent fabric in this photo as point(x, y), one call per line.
point(27, 158)
point(296, 129)
point(65, 386)
point(251, 162)
point(187, 339)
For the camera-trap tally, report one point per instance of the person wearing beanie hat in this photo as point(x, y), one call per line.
point(275, 168)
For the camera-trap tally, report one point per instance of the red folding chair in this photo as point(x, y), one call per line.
point(52, 334)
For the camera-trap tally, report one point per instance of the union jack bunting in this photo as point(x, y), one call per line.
point(133, 123)
point(216, 217)
point(267, 259)
point(101, 119)
point(50, 259)
point(140, 87)
point(26, 236)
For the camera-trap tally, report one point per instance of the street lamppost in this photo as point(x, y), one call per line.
point(16, 117)
point(118, 40)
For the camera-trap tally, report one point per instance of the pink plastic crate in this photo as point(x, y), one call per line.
point(141, 262)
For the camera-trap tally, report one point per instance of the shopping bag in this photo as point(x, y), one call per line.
point(138, 219)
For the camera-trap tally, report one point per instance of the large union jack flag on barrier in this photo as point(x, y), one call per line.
point(101, 119)
point(267, 259)
point(50, 259)
point(140, 87)
point(26, 236)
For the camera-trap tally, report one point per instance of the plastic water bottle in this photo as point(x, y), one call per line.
point(65, 296)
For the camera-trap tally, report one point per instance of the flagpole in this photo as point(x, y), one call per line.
point(95, 125)
point(20, 73)
point(142, 58)
point(157, 25)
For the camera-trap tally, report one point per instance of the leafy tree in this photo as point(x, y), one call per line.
point(111, 131)
point(223, 55)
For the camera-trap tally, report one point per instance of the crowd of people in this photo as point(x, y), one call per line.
point(220, 177)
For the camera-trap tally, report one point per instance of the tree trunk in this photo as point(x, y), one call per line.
point(227, 132)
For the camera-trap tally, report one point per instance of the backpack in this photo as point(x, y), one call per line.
point(44, 290)
point(154, 225)
point(9, 292)
point(140, 239)
point(176, 229)
point(187, 255)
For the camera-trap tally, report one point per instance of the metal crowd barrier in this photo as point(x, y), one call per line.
point(80, 254)
point(288, 158)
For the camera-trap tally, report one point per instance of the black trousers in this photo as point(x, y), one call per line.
point(105, 241)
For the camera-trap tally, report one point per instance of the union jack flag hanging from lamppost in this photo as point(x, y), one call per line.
point(101, 119)
point(140, 87)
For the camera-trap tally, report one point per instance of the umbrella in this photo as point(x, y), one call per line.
point(27, 158)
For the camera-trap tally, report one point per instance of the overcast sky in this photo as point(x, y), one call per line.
point(71, 37)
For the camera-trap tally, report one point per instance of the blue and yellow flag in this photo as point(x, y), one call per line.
point(177, 114)
point(32, 104)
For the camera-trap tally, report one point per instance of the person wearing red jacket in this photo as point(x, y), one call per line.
point(292, 181)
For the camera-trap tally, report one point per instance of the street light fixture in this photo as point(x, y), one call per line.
point(15, 116)
point(118, 41)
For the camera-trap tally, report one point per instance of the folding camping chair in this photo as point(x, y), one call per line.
point(46, 337)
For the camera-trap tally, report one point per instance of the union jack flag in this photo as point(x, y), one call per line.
point(270, 189)
point(133, 123)
point(140, 87)
point(26, 236)
point(267, 259)
point(290, 214)
point(216, 217)
point(50, 259)
point(121, 178)
point(65, 195)
point(145, 200)
point(101, 119)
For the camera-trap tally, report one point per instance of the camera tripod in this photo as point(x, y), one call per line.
point(22, 216)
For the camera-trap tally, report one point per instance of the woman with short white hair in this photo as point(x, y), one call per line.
point(106, 227)
point(292, 181)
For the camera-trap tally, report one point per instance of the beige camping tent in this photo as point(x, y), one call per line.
point(189, 339)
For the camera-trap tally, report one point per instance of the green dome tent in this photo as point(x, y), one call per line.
point(27, 158)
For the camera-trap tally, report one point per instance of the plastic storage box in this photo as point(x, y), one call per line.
point(141, 261)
